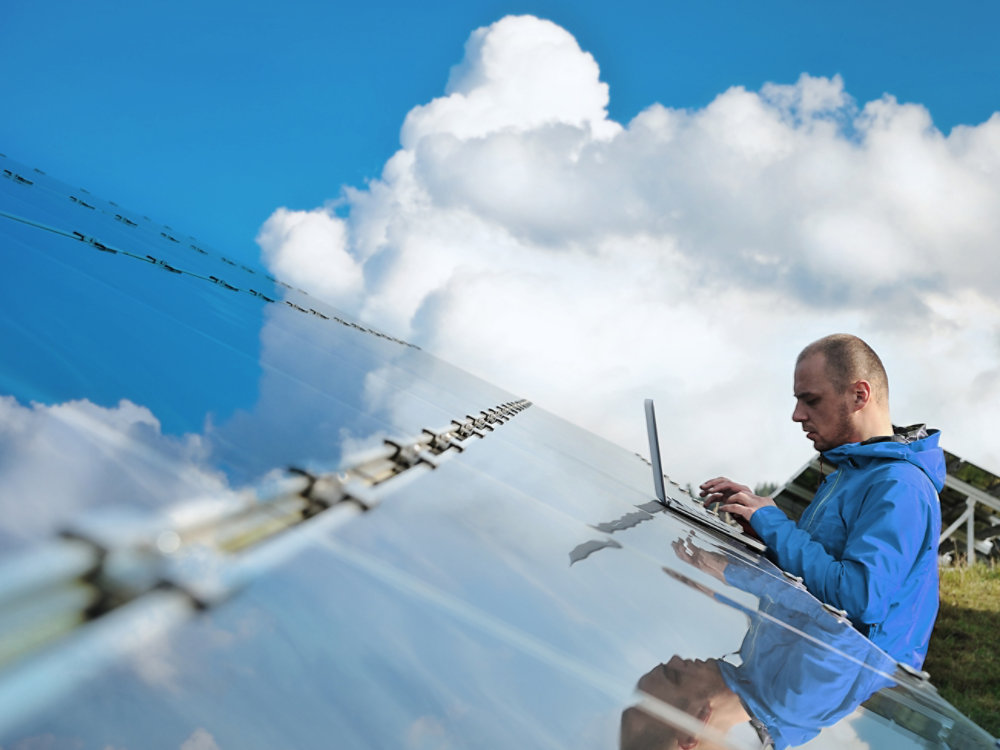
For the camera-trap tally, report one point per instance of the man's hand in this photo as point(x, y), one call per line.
point(736, 498)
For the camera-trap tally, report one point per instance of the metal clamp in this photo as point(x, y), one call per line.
point(797, 580)
point(840, 614)
point(914, 672)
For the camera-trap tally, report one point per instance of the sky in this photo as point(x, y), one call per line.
point(214, 113)
point(585, 205)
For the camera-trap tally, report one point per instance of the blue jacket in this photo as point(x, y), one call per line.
point(868, 541)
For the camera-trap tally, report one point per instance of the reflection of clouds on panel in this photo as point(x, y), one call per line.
point(59, 459)
point(428, 733)
point(405, 671)
point(157, 666)
point(326, 390)
point(309, 397)
point(163, 661)
point(199, 740)
point(458, 537)
point(687, 255)
point(51, 742)
point(484, 678)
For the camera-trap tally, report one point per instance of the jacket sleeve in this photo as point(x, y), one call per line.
point(883, 542)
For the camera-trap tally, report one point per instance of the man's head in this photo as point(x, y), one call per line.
point(841, 392)
point(694, 686)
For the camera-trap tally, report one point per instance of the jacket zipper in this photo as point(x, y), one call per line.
point(819, 504)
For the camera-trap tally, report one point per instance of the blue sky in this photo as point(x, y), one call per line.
point(209, 115)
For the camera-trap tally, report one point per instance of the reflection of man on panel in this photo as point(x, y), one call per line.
point(868, 541)
point(798, 670)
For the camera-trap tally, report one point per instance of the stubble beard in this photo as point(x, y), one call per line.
point(841, 435)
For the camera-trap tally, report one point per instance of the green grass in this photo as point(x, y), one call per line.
point(964, 654)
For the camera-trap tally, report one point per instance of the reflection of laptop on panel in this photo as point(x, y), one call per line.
point(693, 510)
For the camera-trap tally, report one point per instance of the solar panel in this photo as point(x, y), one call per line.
point(234, 516)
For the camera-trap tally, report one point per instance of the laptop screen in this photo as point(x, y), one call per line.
point(654, 452)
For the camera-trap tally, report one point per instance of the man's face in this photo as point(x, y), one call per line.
point(824, 413)
point(692, 685)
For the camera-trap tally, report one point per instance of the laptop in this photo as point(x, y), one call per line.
point(694, 510)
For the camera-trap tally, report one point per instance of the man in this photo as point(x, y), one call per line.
point(868, 541)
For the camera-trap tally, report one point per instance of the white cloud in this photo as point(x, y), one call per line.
point(107, 456)
point(316, 240)
point(688, 256)
point(519, 74)
point(200, 739)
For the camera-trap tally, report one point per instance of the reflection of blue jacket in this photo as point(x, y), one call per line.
point(797, 685)
point(868, 541)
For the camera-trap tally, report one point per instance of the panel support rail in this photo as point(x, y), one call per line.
point(110, 567)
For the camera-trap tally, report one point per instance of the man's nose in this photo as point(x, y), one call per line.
point(798, 414)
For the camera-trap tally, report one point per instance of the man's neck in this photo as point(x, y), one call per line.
point(877, 426)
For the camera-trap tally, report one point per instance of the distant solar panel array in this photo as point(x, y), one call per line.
point(970, 506)
point(232, 516)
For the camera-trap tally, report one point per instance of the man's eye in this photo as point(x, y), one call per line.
point(812, 401)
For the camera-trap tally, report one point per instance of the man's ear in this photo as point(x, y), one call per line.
point(862, 393)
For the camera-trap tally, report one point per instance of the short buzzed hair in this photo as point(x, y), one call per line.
point(849, 359)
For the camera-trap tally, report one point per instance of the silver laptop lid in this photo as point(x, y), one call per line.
point(654, 452)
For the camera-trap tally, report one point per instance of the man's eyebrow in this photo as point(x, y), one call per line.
point(803, 394)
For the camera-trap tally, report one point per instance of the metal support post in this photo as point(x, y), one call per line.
point(970, 532)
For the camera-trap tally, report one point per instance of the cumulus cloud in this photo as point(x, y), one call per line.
point(292, 240)
point(687, 255)
point(518, 75)
point(201, 739)
point(107, 456)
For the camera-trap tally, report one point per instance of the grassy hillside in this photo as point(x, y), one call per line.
point(964, 655)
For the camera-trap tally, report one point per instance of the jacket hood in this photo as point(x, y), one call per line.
point(915, 444)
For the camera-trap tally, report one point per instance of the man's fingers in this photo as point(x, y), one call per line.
point(723, 487)
point(736, 509)
point(712, 485)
